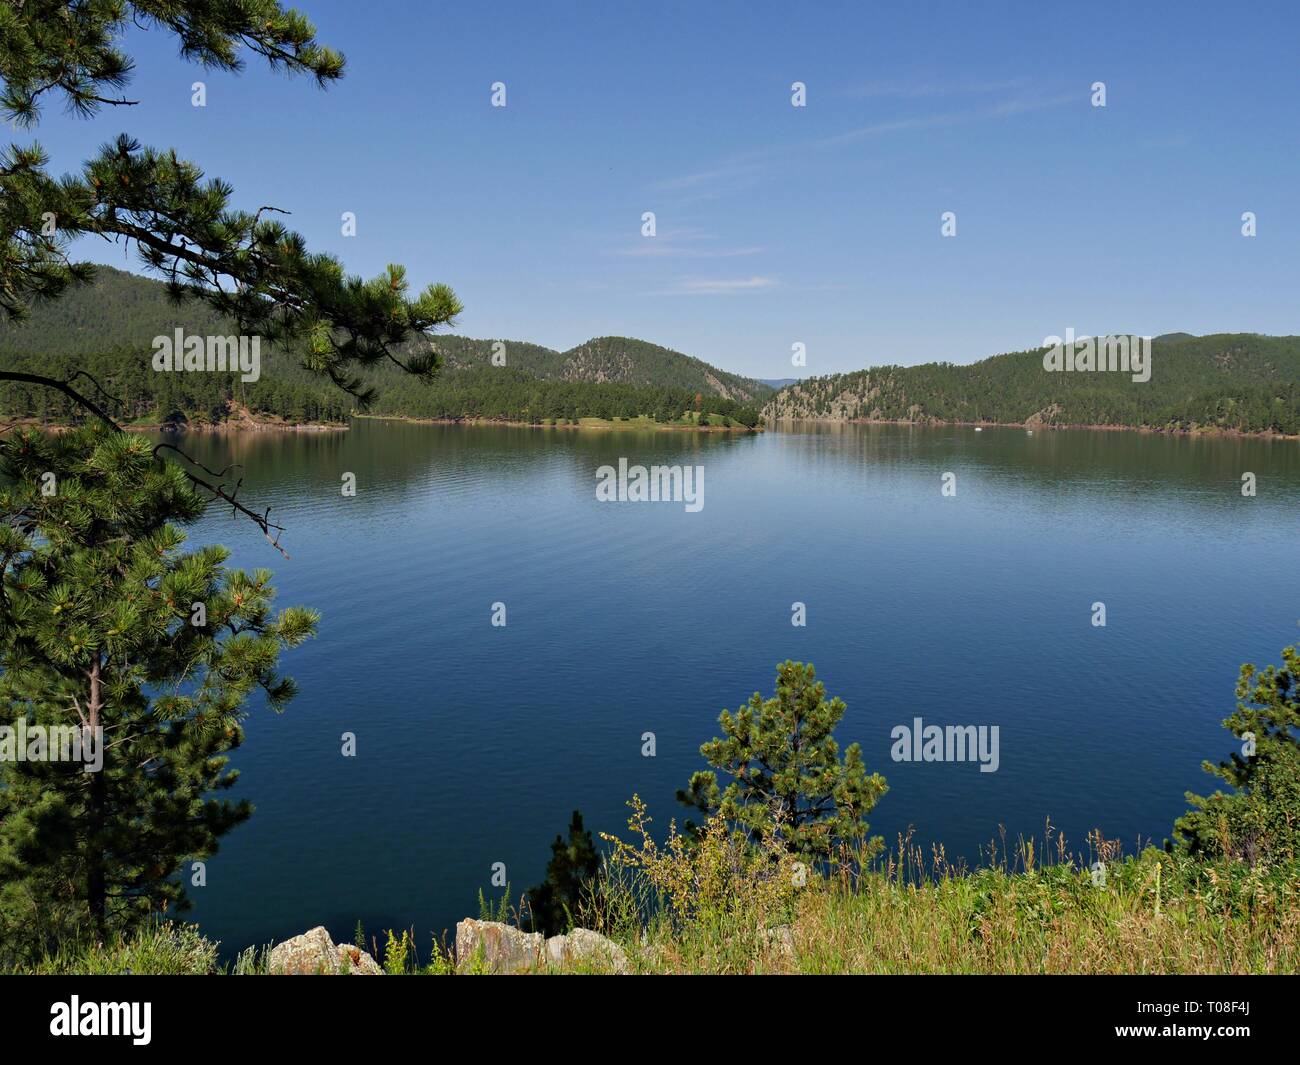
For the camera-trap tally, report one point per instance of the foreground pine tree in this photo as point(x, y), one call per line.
point(1260, 819)
point(788, 779)
point(186, 229)
point(106, 623)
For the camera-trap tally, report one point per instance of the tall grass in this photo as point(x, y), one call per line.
point(158, 949)
point(713, 906)
point(915, 912)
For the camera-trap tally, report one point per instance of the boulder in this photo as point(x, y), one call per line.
point(314, 953)
point(503, 949)
point(582, 946)
point(356, 962)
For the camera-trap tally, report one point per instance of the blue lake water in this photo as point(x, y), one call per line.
point(474, 742)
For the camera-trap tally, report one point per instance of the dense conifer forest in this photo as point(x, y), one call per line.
point(1239, 382)
point(107, 331)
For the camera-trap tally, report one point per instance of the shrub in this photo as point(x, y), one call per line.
point(1260, 819)
point(788, 779)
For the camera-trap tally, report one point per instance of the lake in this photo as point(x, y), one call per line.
point(474, 743)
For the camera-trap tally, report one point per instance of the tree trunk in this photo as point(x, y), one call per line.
point(96, 886)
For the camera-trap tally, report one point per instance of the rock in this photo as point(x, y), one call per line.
point(304, 955)
point(313, 953)
point(583, 946)
point(503, 949)
point(356, 962)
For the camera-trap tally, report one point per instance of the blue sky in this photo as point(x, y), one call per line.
point(775, 224)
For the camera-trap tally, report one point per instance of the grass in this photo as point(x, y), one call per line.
point(1156, 914)
point(719, 908)
point(715, 912)
point(1052, 921)
point(165, 949)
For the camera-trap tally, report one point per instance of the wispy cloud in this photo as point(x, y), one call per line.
point(877, 129)
point(1007, 108)
point(738, 171)
point(1025, 105)
point(715, 286)
point(920, 90)
point(684, 244)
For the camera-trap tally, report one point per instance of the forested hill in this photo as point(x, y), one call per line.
point(622, 360)
point(118, 310)
point(107, 329)
point(125, 310)
point(1240, 382)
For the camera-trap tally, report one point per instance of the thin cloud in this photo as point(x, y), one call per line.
point(714, 286)
point(1006, 109)
point(752, 166)
point(877, 129)
point(901, 90)
point(684, 244)
point(1025, 106)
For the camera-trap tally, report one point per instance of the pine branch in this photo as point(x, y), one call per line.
point(262, 521)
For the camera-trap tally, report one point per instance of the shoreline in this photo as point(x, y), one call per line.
point(1048, 427)
point(205, 429)
point(606, 427)
point(240, 426)
point(243, 426)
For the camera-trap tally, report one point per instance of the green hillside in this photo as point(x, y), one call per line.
point(1234, 382)
point(107, 330)
point(1239, 382)
point(125, 310)
point(119, 310)
point(509, 394)
point(638, 362)
point(621, 360)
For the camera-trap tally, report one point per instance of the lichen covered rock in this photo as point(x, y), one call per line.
point(503, 949)
point(314, 954)
point(583, 947)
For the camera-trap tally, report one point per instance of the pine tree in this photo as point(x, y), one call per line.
point(240, 263)
point(1260, 819)
point(245, 265)
point(788, 779)
point(570, 874)
point(105, 623)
